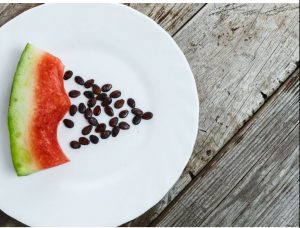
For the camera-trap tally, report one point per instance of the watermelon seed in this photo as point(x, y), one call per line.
point(106, 87)
point(115, 131)
point(68, 74)
point(109, 111)
point(89, 83)
point(105, 134)
point(136, 120)
point(96, 89)
point(75, 145)
point(106, 101)
point(119, 103)
point(137, 111)
point(93, 121)
point(86, 130)
point(79, 80)
point(99, 93)
point(84, 141)
point(124, 126)
point(88, 94)
point(100, 128)
point(123, 113)
point(147, 115)
point(97, 110)
point(81, 108)
point(115, 94)
point(113, 121)
point(74, 93)
point(101, 96)
point(68, 123)
point(94, 139)
point(91, 102)
point(73, 110)
point(88, 113)
point(131, 103)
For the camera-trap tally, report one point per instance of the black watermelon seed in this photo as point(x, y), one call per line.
point(84, 141)
point(79, 80)
point(74, 93)
point(131, 103)
point(81, 108)
point(97, 110)
point(101, 96)
point(115, 94)
point(68, 123)
point(89, 83)
point(91, 102)
point(109, 111)
point(105, 134)
point(68, 74)
point(106, 87)
point(119, 103)
point(123, 113)
point(88, 94)
point(136, 120)
point(115, 131)
point(106, 101)
point(147, 115)
point(94, 139)
point(96, 89)
point(124, 126)
point(73, 110)
point(87, 130)
point(113, 121)
point(137, 111)
point(88, 113)
point(93, 121)
point(100, 128)
point(75, 144)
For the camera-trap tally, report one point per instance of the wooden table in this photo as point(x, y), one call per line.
point(244, 170)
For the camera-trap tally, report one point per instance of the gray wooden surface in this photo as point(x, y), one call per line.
point(244, 168)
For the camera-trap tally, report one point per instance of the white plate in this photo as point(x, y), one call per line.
point(120, 178)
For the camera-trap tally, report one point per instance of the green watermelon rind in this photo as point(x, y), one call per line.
point(21, 108)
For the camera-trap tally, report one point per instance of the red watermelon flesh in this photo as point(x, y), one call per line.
point(38, 103)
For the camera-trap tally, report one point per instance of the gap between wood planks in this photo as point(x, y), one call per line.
point(236, 138)
point(183, 25)
point(219, 155)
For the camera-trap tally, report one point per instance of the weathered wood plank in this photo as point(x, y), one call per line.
point(9, 11)
point(169, 16)
point(254, 181)
point(239, 54)
point(3, 6)
point(6, 221)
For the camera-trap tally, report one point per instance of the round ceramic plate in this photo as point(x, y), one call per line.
point(120, 178)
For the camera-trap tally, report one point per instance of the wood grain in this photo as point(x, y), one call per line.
point(6, 221)
point(239, 54)
point(9, 11)
point(169, 16)
point(255, 179)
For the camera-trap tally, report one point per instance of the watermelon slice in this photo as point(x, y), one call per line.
point(37, 104)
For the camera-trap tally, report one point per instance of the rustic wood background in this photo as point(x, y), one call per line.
point(244, 170)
